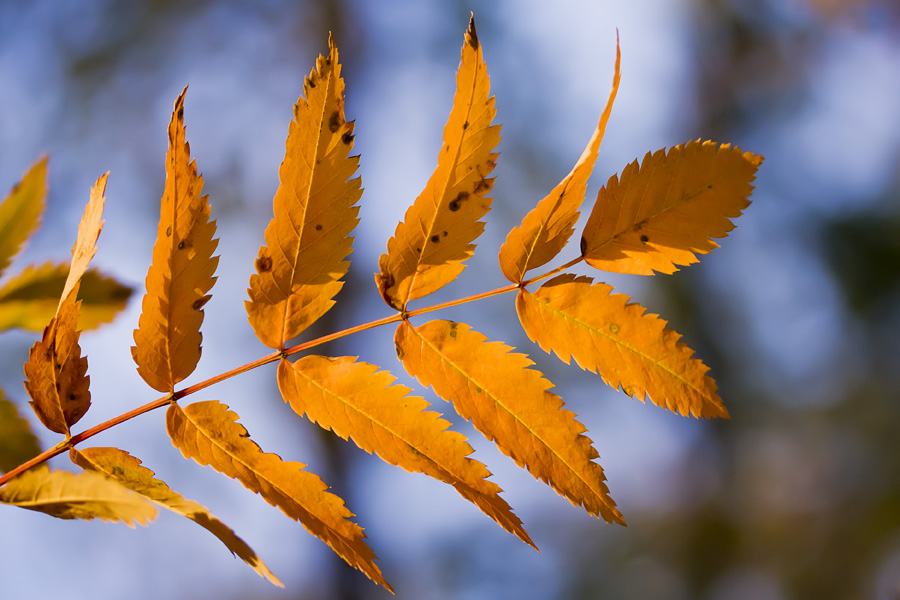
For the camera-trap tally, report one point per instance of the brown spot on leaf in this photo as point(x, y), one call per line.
point(347, 138)
point(399, 351)
point(583, 246)
point(484, 184)
point(199, 302)
point(644, 239)
point(263, 264)
point(181, 245)
point(318, 227)
point(168, 231)
point(471, 35)
point(465, 125)
point(460, 198)
point(335, 121)
point(311, 81)
point(180, 113)
point(435, 238)
point(613, 328)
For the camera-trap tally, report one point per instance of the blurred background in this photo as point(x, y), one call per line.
point(797, 496)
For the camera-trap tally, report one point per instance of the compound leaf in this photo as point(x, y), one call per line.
point(511, 405)
point(435, 238)
point(299, 270)
point(209, 433)
point(85, 495)
point(667, 211)
point(357, 401)
point(628, 348)
point(167, 340)
point(127, 470)
point(547, 228)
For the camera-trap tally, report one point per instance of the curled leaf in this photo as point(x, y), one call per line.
point(547, 228)
point(56, 373)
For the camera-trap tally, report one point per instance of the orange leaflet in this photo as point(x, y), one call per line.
point(299, 270)
point(29, 299)
point(18, 443)
point(509, 403)
point(85, 495)
point(357, 401)
point(167, 340)
point(626, 347)
point(209, 433)
point(127, 470)
point(435, 238)
point(546, 229)
point(56, 372)
point(659, 215)
point(20, 211)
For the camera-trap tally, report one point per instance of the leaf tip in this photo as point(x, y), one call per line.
point(471, 35)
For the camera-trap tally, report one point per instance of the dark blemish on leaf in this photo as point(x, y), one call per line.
point(478, 389)
point(263, 264)
point(435, 238)
point(335, 121)
point(180, 113)
point(484, 184)
point(347, 138)
point(709, 186)
point(471, 35)
point(181, 245)
point(644, 239)
point(415, 452)
point(399, 351)
point(72, 397)
point(454, 204)
point(318, 227)
point(453, 328)
point(465, 125)
point(613, 328)
point(447, 148)
point(418, 251)
point(445, 234)
point(118, 470)
point(628, 390)
point(200, 302)
point(311, 82)
point(583, 246)
point(327, 61)
point(168, 231)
